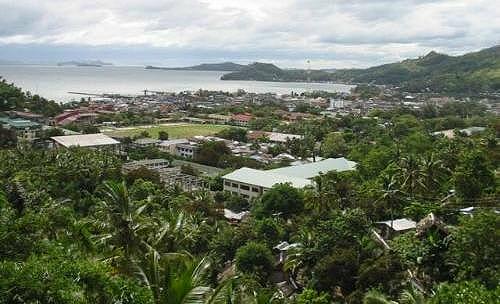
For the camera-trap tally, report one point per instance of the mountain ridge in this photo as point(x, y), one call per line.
point(223, 66)
point(434, 72)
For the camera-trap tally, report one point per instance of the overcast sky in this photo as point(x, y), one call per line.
point(330, 33)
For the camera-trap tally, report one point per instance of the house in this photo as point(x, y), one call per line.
point(186, 150)
point(219, 119)
point(98, 140)
point(170, 146)
point(392, 228)
point(28, 116)
point(241, 119)
point(251, 183)
point(146, 142)
point(234, 217)
point(467, 131)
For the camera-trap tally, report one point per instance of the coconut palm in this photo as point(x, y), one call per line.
point(120, 219)
point(239, 290)
point(410, 174)
point(412, 296)
point(390, 193)
point(376, 297)
point(433, 172)
point(176, 230)
point(175, 278)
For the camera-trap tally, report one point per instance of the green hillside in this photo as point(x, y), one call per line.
point(269, 72)
point(13, 98)
point(472, 72)
point(469, 73)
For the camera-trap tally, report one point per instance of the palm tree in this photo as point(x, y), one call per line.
point(239, 290)
point(410, 173)
point(175, 278)
point(376, 297)
point(176, 230)
point(433, 172)
point(120, 219)
point(390, 193)
point(412, 296)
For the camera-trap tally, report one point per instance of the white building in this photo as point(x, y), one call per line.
point(98, 140)
point(251, 183)
point(171, 145)
point(187, 150)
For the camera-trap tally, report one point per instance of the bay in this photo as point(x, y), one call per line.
point(55, 82)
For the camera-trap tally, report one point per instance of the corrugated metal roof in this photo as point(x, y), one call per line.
point(400, 224)
point(265, 179)
point(313, 169)
point(85, 140)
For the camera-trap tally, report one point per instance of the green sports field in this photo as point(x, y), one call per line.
point(178, 130)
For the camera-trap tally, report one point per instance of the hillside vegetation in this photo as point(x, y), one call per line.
point(13, 98)
point(472, 72)
point(469, 73)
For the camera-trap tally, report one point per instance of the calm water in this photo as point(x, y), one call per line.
point(55, 82)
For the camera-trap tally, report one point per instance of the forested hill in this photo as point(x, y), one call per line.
point(469, 73)
point(269, 72)
point(224, 66)
point(472, 72)
point(13, 98)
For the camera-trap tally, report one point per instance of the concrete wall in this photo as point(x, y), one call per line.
point(246, 191)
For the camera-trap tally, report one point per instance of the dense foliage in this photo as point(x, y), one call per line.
point(13, 98)
point(75, 229)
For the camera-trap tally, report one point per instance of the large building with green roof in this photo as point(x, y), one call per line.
point(25, 129)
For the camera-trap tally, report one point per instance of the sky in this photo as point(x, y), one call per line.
point(328, 33)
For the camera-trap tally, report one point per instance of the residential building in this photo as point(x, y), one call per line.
point(272, 136)
point(170, 146)
point(26, 130)
point(241, 119)
point(187, 150)
point(218, 119)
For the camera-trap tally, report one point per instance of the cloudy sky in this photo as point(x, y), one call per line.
point(330, 33)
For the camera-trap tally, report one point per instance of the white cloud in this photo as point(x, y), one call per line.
point(332, 33)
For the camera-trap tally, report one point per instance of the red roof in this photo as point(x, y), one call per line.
point(242, 117)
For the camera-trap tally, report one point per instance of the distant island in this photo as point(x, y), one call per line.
point(434, 72)
point(85, 63)
point(224, 67)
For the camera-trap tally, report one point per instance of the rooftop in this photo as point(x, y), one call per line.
point(146, 141)
point(19, 123)
point(265, 179)
point(314, 169)
point(174, 142)
point(400, 224)
point(85, 140)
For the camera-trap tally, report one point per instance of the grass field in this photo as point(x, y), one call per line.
point(177, 130)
